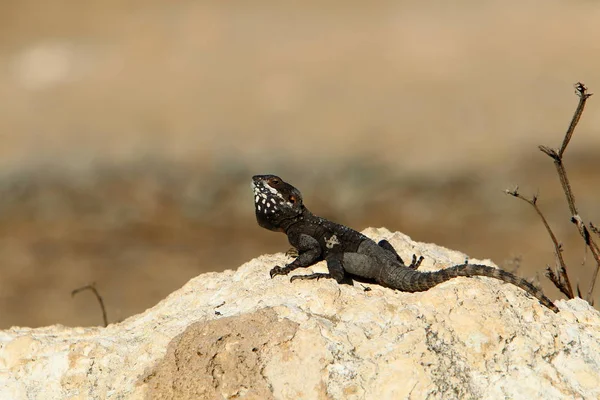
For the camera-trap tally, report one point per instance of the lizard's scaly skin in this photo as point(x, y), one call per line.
point(348, 253)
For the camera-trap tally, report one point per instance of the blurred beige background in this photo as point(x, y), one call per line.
point(130, 130)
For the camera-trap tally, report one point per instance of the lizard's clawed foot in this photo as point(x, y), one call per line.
point(277, 270)
point(316, 276)
point(416, 262)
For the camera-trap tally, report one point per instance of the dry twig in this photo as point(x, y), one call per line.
point(595, 229)
point(92, 287)
point(560, 278)
point(557, 156)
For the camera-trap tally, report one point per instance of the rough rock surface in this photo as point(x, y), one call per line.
point(239, 334)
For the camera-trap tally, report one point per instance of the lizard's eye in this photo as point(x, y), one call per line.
point(275, 181)
point(292, 199)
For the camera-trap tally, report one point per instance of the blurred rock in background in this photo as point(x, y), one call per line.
point(130, 130)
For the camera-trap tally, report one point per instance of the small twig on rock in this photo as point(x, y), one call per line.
point(92, 287)
point(560, 278)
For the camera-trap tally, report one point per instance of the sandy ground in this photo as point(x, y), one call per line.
point(129, 134)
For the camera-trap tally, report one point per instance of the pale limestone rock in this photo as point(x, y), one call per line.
point(239, 334)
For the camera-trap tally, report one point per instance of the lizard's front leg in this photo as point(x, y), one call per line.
point(334, 266)
point(309, 252)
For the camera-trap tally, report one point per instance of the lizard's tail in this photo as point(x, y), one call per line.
point(409, 280)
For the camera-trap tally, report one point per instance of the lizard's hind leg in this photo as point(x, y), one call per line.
point(388, 246)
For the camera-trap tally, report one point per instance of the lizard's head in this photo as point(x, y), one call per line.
point(277, 203)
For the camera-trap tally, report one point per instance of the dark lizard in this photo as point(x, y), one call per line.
point(349, 253)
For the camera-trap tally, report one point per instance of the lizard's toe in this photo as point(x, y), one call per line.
point(277, 270)
point(416, 262)
point(316, 276)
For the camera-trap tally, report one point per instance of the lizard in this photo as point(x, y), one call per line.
point(348, 253)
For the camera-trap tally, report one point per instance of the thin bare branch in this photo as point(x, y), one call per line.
point(557, 155)
point(554, 279)
point(579, 294)
point(92, 287)
point(581, 91)
point(560, 278)
point(595, 252)
point(562, 175)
